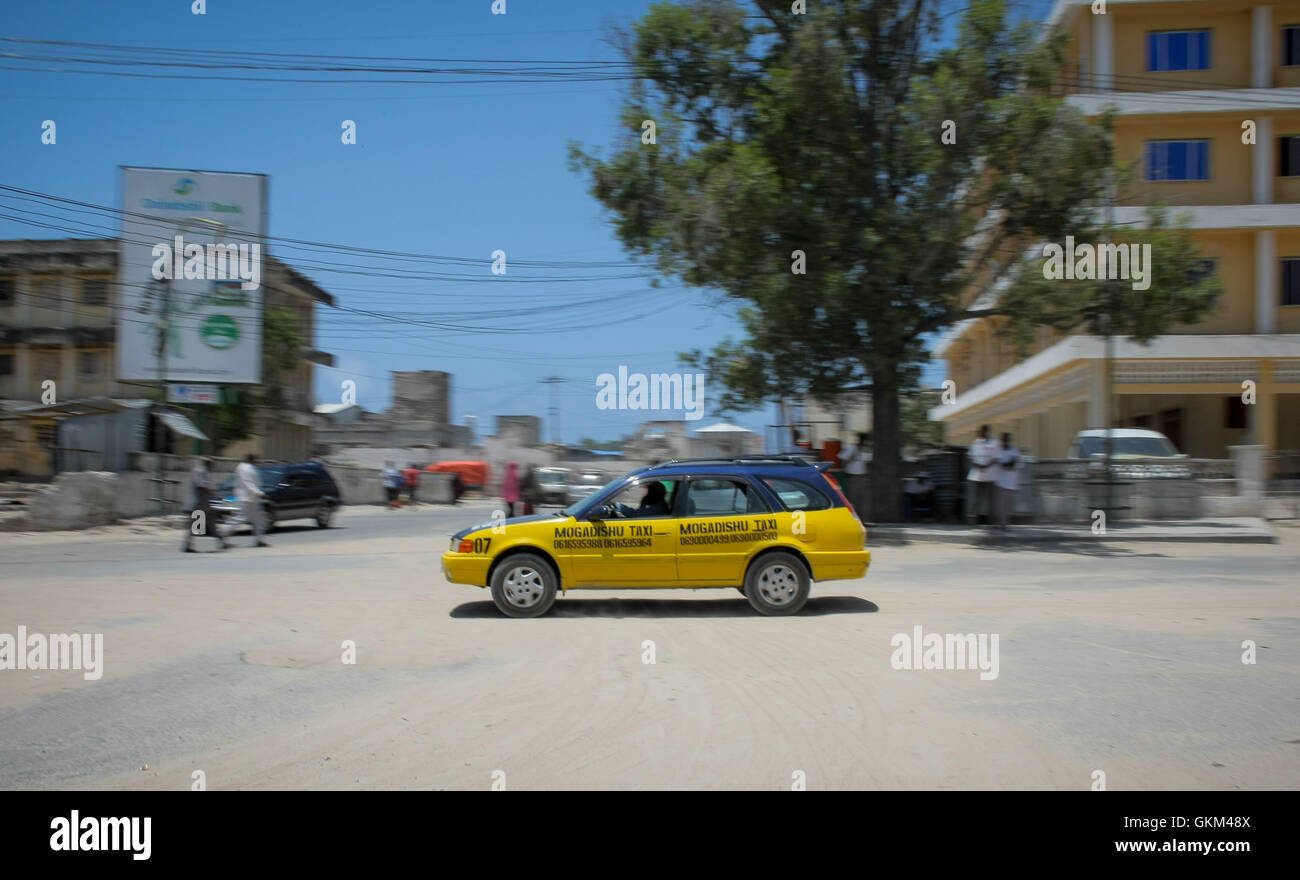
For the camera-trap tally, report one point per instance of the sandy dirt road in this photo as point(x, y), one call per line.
point(1123, 658)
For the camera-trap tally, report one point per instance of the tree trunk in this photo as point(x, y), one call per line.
point(886, 443)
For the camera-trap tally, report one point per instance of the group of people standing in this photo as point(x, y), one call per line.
point(396, 482)
point(994, 473)
point(519, 491)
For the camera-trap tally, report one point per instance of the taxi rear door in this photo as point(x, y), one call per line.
point(722, 521)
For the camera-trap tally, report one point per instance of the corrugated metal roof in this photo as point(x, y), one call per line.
point(181, 425)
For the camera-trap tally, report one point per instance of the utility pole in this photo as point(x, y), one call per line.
point(554, 412)
point(1109, 361)
point(163, 301)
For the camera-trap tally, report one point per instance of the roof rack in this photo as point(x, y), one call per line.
point(742, 459)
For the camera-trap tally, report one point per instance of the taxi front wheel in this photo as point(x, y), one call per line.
point(524, 586)
point(777, 585)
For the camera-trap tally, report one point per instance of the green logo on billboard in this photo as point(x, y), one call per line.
point(183, 186)
point(219, 332)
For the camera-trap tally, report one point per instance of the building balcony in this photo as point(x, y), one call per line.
point(1246, 101)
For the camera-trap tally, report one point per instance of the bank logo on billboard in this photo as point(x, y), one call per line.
point(191, 270)
point(219, 332)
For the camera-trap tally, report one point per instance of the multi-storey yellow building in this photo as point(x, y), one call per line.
point(58, 301)
point(1190, 82)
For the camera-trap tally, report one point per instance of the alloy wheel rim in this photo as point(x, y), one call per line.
point(524, 586)
point(778, 584)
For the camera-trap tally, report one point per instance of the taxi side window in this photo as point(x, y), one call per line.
point(798, 495)
point(639, 499)
point(722, 497)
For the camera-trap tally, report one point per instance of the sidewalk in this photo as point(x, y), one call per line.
point(1223, 530)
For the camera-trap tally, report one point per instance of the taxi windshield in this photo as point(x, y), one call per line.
point(575, 507)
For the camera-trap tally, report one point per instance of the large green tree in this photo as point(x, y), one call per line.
point(848, 174)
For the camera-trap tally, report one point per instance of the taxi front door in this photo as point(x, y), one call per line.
point(636, 551)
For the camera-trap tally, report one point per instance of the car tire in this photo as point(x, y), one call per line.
point(324, 513)
point(524, 585)
point(777, 584)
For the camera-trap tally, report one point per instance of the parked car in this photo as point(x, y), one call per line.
point(1159, 457)
point(584, 483)
point(293, 491)
point(768, 526)
point(552, 485)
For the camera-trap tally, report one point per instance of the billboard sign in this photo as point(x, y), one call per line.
point(190, 260)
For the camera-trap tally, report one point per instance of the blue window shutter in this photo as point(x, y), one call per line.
point(1177, 51)
point(1157, 52)
point(1177, 161)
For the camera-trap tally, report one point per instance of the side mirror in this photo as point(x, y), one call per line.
point(599, 512)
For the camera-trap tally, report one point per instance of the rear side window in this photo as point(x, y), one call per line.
point(798, 495)
point(711, 496)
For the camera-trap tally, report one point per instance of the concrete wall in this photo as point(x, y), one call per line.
point(366, 486)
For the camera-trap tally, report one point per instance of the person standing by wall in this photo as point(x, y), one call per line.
point(248, 491)
point(855, 460)
point(1007, 479)
point(392, 479)
point(411, 477)
point(510, 487)
point(200, 501)
point(529, 489)
point(982, 454)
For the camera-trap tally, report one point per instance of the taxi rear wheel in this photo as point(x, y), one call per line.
point(777, 585)
point(524, 586)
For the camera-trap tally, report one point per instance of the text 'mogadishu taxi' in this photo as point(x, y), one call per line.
point(769, 526)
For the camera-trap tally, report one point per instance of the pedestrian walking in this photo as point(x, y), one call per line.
point(199, 500)
point(248, 491)
point(982, 454)
point(510, 487)
point(392, 479)
point(457, 487)
point(1007, 479)
point(855, 460)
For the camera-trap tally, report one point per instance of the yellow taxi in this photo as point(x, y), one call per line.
point(768, 526)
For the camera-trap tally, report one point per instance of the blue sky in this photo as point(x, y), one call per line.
point(448, 169)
